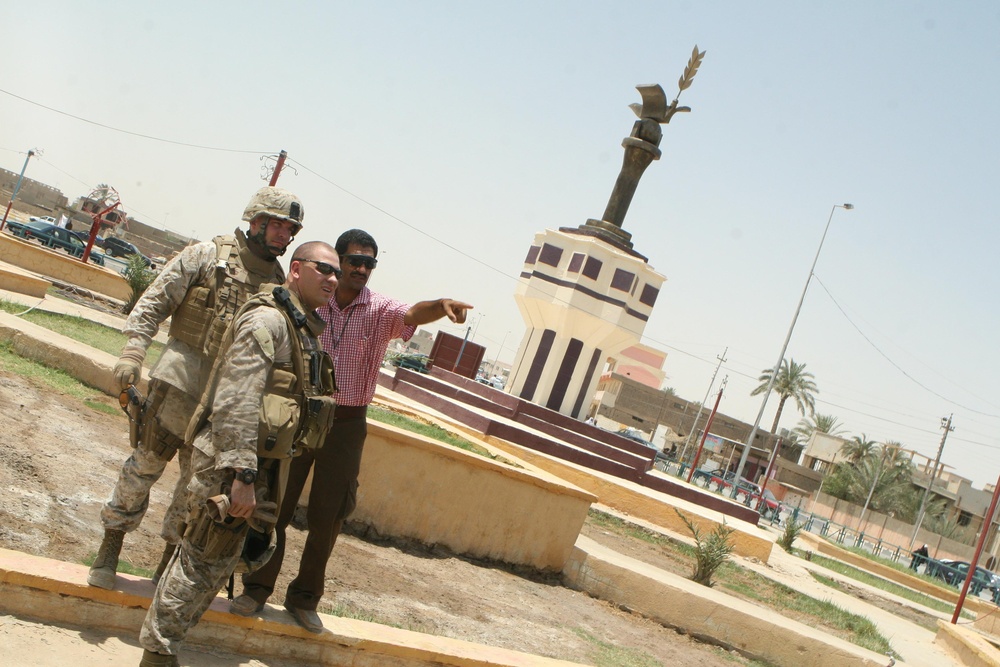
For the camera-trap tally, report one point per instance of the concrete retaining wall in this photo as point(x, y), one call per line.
point(16, 280)
point(57, 592)
point(62, 266)
point(971, 649)
point(707, 614)
point(418, 488)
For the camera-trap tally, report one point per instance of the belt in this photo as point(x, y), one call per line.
point(347, 412)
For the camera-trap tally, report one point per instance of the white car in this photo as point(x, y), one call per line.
point(44, 218)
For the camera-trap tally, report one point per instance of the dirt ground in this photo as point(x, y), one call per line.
point(59, 462)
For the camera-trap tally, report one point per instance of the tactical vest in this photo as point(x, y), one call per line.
point(297, 408)
point(202, 317)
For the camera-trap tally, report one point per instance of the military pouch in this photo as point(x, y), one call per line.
point(214, 539)
point(317, 421)
point(279, 421)
point(192, 320)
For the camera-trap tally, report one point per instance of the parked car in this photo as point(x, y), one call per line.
point(635, 436)
point(51, 236)
point(413, 362)
point(119, 247)
point(953, 572)
point(85, 237)
point(43, 218)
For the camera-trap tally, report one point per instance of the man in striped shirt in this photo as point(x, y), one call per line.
point(360, 324)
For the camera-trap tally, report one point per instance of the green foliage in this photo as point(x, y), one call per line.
point(792, 381)
point(948, 527)
point(817, 423)
point(606, 654)
point(53, 378)
point(711, 550)
point(433, 431)
point(124, 567)
point(880, 468)
point(792, 530)
point(80, 329)
point(883, 584)
point(138, 277)
point(859, 448)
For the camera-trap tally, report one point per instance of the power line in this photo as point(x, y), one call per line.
point(894, 364)
point(472, 257)
point(129, 132)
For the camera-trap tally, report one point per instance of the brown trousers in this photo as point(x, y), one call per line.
point(332, 498)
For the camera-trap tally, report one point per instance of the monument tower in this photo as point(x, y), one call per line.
point(585, 293)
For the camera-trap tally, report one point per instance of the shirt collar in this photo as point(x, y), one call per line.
point(363, 298)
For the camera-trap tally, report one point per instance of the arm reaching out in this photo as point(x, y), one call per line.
point(426, 312)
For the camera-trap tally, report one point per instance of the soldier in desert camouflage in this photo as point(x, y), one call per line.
point(268, 398)
point(200, 289)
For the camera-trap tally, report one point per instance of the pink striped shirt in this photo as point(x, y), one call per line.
point(357, 338)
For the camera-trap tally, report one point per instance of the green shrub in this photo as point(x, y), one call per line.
point(792, 530)
point(138, 278)
point(710, 551)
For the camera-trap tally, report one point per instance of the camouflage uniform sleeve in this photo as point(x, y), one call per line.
point(261, 340)
point(191, 267)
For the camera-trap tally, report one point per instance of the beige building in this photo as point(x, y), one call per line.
point(633, 404)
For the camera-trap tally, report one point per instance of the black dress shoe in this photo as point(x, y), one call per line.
point(307, 618)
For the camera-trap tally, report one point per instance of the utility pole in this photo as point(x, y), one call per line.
point(493, 371)
point(708, 425)
point(948, 428)
point(461, 350)
point(768, 472)
point(833, 465)
point(17, 187)
point(701, 407)
point(277, 168)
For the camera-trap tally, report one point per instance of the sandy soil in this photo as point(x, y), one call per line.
point(60, 461)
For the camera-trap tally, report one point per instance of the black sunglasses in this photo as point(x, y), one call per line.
point(324, 267)
point(366, 261)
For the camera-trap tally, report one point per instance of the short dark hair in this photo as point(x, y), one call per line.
point(357, 236)
point(308, 248)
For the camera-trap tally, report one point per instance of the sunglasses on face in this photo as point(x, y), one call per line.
point(366, 261)
point(325, 268)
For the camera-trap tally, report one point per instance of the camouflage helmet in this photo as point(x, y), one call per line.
point(258, 548)
point(277, 203)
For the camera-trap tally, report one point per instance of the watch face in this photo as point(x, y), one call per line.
point(248, 476)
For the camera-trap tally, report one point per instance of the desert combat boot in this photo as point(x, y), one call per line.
point(151, 659)
point(102, 572)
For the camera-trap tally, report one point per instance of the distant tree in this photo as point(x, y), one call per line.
point(138, 278)
point(859, 448)
point(885, 472)
point(792, 381)
point(817, 423)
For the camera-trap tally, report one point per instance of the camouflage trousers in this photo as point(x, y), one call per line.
point(168, 413)
point(195, 574)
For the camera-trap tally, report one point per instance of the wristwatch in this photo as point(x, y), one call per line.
point(246, 475)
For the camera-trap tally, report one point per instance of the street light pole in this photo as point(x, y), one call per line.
point(493, 371)
point(17, 187)
point(948, 428)
point(784, 347)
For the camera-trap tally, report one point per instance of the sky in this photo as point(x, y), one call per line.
point(454, 131)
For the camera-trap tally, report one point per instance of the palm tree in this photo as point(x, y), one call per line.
point(817, 424)
point(792, 381)
point(859, 449)
point(882, 475)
